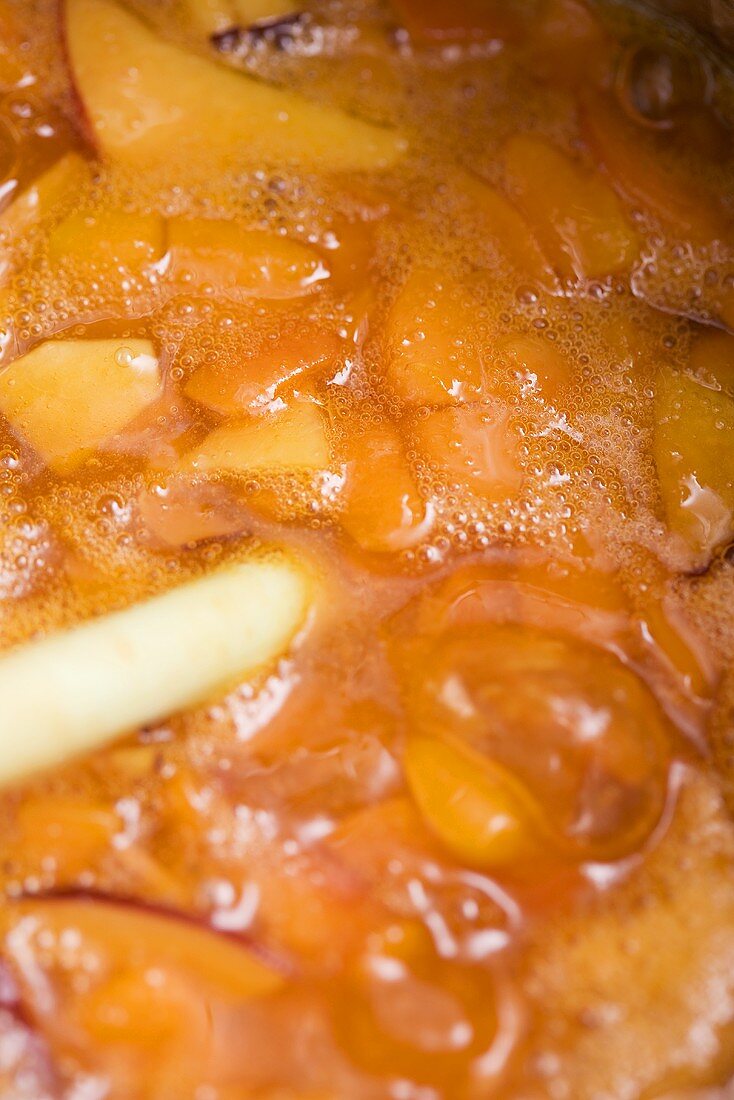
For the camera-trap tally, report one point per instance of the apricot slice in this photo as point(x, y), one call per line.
point(478, 810)
point(273, 372)
point(474, 446)
point(632, 158)
point(258, 264)
point(59, 183)
point(187, 512)
point(567, 720)
point(432, 354)
point(712, 358)
point(578, 219)
point(108, 237)
point(509, 231)
point(153, 975)
point(538, 366)
point(113, 674)
point(151, 105)
point(694, 455)
point(384, 511)
point(65, 397)
point(66, 834)
point(292, 438)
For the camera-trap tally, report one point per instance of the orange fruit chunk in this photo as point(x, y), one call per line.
point(107, 237)
point(580, 222)
point(472, 445)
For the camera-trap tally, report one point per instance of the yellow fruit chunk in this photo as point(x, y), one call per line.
point(69, 834)
point(144, 960)
point(108, 238)
point(152, 105)
point(474, 446)
point(631, 156)
point(477, 809)
point(509, 231)
point(576, 216)
point(133, 667)
point(694, 455)
point(67, 396)
point(59, 183)
point(383, 509)
point(259, 264)
point(292, 438)
point(274, 371)
point(432, 354)
point(538, 366)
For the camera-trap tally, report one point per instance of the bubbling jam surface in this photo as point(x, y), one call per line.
point(439, 297)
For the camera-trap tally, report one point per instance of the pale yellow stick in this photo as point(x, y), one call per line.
point(76, 690)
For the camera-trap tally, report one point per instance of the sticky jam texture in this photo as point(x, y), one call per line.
point(441, 298)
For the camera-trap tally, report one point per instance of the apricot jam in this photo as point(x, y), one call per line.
point(366, 528)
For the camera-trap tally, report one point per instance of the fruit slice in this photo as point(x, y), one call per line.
point(474, 446)
point(293, 439)
point(712, 358)
point(432, 355)
point(479, 811)
point(632, 158)
point(274, 371)
point(150, 104)
point(191, 964)
point(577, 217)
point(61, 182)
point(509, 231)
point(107, 238)
point(537, 365)
point(694, 455)
point(383, 509)
point(264, 265)
point(113, 674)
point(67, 396)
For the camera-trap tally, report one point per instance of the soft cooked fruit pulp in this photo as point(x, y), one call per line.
point(440, 298)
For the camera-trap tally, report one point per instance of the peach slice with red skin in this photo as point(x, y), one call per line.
point(148, 104)
point(580, 222)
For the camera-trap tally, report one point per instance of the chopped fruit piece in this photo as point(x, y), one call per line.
point(568, 45)
point(187, 513)
point(665, 190)
point(537, 365)
point(578, 219)
point(433, 357)
point(569, 720)
point(67, 396)
point(66, 834)
point(277, 369)
point(155, 973)
point(435, 21)
point(509, 231)
point(291, 438)
point(150, 103)
point(694, 455)
point(59, 183)
point(475, 806)
point(383, 509)
point(108, 237)
point(113, 674)
point(474, 446)
point(259, 264)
